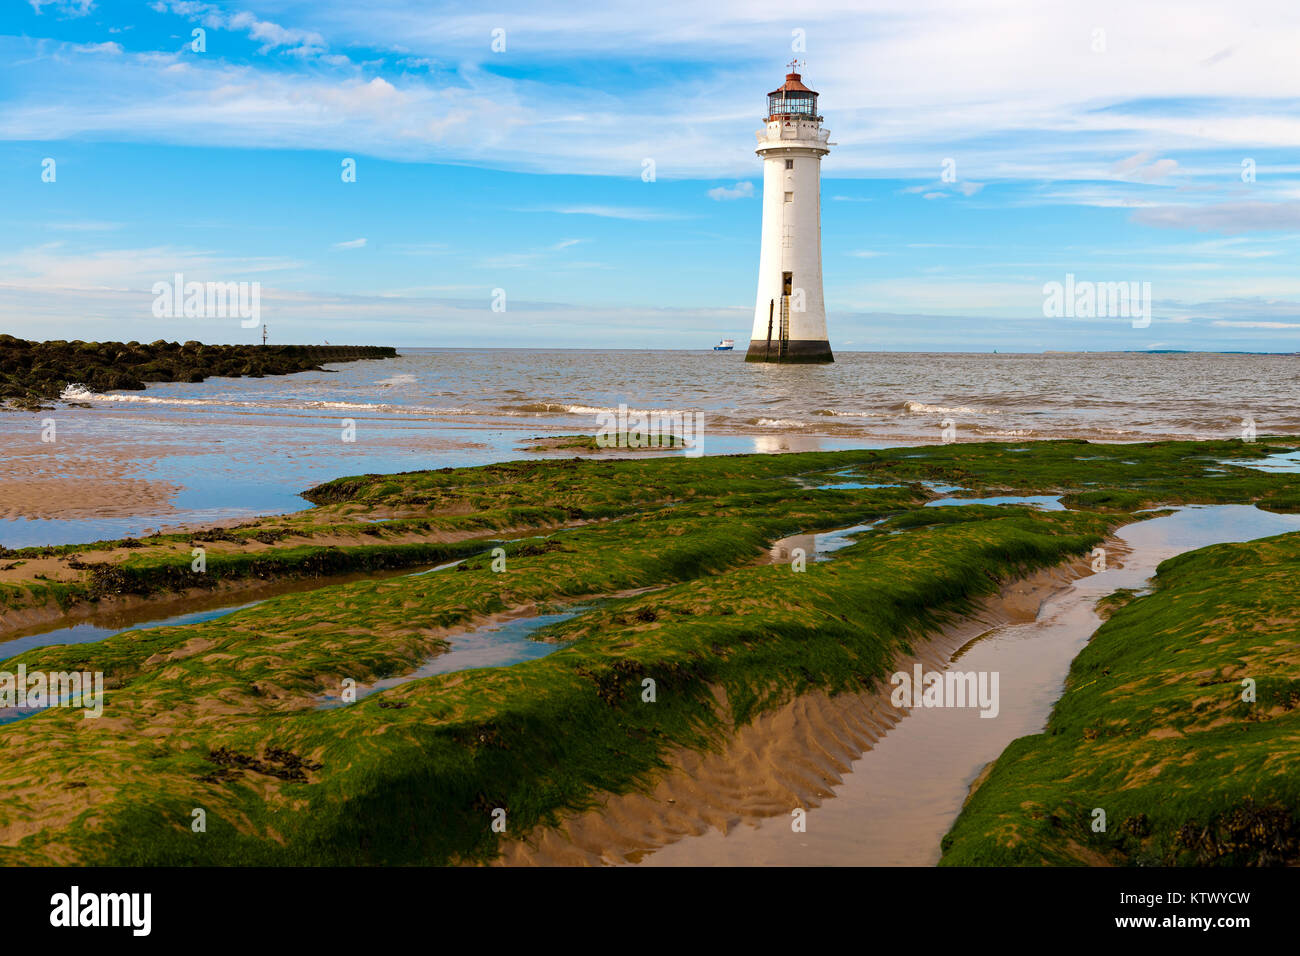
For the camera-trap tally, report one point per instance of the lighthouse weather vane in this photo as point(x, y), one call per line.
point(790, 313)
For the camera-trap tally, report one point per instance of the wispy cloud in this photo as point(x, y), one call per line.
point(741, 190)
point(1223, 217)
point(520, 260)
point(1140, 167)
point(84, 225)
point(111, 47)
point(272, 36)
point(417, 248)
point(1033, 116)
point(610, 212)
point(350, 244)
point(53, 266)
point(68, 8)
point(1228, 324)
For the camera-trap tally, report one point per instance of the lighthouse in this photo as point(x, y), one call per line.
point(790, 316)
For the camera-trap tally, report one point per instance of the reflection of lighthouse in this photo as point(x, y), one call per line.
point(790, 316)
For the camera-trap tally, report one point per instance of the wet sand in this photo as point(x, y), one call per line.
point(67, 479)
point(139, 470)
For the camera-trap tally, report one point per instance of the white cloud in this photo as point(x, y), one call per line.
point(51, 267)
point(68, 8)
point(1019, 94)
point(518, 260)
point(417, 248)
point(110, 47)
point(610, 212)
point(741, 190)
point(272, 36)
point(84, 225)
point(1226, 324)
point(350, 244)
point(1223, 217)
point(1139, 167)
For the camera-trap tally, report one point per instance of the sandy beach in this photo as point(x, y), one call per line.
point(96, 477)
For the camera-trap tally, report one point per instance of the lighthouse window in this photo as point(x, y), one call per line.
point(789, 164)
point(789, 197)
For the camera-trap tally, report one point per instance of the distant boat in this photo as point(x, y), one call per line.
point(726, 345)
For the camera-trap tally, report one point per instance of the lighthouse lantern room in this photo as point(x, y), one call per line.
point(790, 315)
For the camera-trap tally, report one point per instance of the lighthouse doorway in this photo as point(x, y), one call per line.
point(787, 283)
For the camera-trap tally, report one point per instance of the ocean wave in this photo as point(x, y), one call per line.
point(854, 413)
point(79, 393)
point(544, 408)
point(921, 408)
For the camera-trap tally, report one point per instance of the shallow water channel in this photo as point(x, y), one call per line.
point(902, 795)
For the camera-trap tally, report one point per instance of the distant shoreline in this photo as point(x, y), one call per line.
point(838, 351)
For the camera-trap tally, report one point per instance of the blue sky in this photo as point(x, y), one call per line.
point(1104, 140)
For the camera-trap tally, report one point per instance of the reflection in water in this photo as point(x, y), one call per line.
point(499, 644)
point(1045, 502)
point(851, 485)
point(1285, 462)
point(88, 632)
point(818, 547)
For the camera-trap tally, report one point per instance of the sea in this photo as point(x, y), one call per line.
point(236, 448)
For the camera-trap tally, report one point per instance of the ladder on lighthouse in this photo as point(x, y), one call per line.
point(784, 345)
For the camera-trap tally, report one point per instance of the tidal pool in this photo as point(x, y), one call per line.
point(498, 644)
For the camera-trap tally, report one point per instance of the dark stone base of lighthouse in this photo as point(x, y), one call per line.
point(796, 352)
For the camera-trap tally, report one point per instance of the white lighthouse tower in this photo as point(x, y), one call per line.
point(790, 316)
